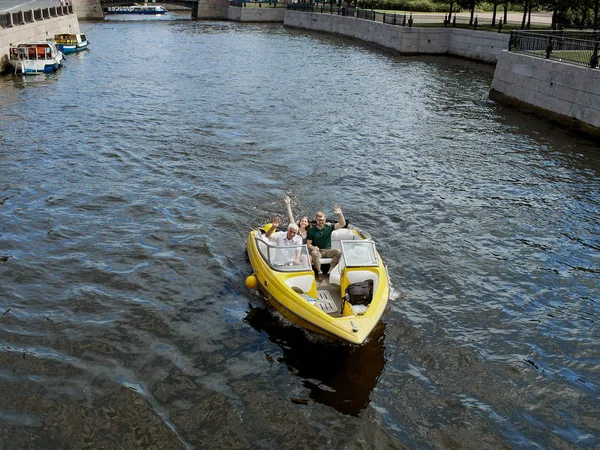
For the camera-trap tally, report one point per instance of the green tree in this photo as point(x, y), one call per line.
point(496, 3)
point(470, 5)
point(561, 10)
point(450, 4)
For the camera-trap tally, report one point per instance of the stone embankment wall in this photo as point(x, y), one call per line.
point(36, 31)
point(479, 45)
point(88, 9)
point(564, 92)
point(266, 14)
point(211, 9)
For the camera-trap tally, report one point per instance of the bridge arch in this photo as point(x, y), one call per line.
point(200, 9)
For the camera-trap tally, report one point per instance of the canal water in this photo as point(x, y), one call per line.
point(130, 179)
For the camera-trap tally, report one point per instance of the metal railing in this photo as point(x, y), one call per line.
point(581, 50)
point(406, 19)
point(15, 19)
point(260, 3)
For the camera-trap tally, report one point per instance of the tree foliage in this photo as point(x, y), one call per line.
point(565, 12)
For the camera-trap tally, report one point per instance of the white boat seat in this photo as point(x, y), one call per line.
point(336, 273)
point(343, 234)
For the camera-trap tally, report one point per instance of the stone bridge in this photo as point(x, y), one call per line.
point(201, 9)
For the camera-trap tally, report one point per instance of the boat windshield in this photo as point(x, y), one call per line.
point(284, 259)
point(359, 253)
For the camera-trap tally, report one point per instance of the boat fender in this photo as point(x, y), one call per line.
point(251, 282)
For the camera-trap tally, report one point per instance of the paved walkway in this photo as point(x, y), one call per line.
point(24, 5)
point(536, 17)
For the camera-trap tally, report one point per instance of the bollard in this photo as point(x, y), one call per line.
point(454, 21)
point(549, 48)
point(404, 21)
point(500, 26)
point(594, 58)
point(475, 24)
point(410, 21)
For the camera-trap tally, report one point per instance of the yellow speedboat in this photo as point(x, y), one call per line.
point(347, 306)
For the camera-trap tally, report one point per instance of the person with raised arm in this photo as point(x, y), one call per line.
point(303, 223)
point(318, 241)
point(285, 239)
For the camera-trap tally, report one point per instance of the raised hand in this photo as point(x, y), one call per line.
point(286, 200)
point(275, 222)
point(337, 209)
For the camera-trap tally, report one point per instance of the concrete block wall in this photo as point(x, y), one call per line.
point(564, 92)
point(479, 45)
point(88, 9)
point(410, 40)
point(266, 14)
point(211, 9)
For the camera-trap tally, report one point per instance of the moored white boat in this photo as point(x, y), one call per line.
point(345, 307)
point(136, 9)
point(35, 57)
point(71, 43)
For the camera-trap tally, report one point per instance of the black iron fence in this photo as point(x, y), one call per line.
point(573, 47)
point(14, 19)
point(407, 19)
point(260, 3)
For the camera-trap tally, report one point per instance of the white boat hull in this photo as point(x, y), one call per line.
point(35, 58)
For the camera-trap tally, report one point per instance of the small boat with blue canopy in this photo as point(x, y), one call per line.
point(71, 43)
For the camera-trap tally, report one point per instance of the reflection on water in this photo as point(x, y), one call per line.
point(336, 375)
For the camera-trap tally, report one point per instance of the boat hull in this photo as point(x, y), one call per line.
point(70, 48)
point(145, 10)
point(66, 49)
point(137, 12)
point(344, 326)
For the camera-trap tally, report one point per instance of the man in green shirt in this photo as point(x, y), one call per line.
point(318, 241)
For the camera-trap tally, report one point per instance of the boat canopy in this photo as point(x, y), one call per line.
point(36, 50)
